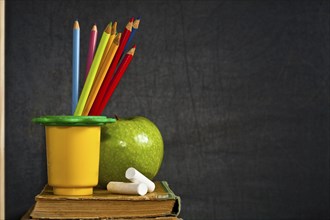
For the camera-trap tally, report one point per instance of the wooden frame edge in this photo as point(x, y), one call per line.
point(2, 109)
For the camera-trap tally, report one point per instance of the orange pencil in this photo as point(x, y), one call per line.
point(100, 77)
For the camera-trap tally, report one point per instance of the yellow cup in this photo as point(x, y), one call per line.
point(73, 150)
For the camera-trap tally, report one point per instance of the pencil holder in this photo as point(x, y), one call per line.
point(73, 150)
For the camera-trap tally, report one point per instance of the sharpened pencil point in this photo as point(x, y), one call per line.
point(94, 28)
point(117, 39)
point(108, 29)
point(114, 28)
point(131, 51)
point(76, 24)
point(131, 20)
point(136, 23)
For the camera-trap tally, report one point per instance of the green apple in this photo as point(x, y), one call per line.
point(129, 142)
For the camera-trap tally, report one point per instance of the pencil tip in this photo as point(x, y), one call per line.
point(131, 20)
point(134, 46)
point(76, 24)
point(94, 28)
point(138, 18)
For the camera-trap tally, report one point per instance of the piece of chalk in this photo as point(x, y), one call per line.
point(127, 188)
point(136, 177)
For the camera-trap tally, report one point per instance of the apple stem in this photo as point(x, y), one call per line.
point(116, 116)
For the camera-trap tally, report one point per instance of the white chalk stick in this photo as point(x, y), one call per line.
point(127, 188)
point(136, 177)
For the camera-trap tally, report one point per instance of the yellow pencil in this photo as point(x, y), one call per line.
point(107, 48)
point(92, 72)
point(100, 77)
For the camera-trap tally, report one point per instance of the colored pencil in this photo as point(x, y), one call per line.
point(112, 35)
point(107, 47)
point(111, 38)
point(113, 66)
point(135, 27)
point(105, 52)
point(92, 72)
point(99, 79)
point(91, 48)
point(75, 65)
point(117, 77)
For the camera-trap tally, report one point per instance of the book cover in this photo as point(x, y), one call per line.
point(102, 204)
point(27, 216)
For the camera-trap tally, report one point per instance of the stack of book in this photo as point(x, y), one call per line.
point(162, 204)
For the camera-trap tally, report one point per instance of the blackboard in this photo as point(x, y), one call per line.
point(239, 90)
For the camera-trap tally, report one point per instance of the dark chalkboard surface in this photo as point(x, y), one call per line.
point(239, 90)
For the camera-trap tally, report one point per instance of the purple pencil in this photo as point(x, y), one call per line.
point(91, 48)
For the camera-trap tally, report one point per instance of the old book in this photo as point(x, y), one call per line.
point(27, 216)
point(102, 204)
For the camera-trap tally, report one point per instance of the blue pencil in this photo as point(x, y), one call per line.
point(134, 29)
point(75, 65)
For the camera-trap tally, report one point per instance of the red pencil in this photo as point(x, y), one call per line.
point(111, 71)
point(116, 78)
